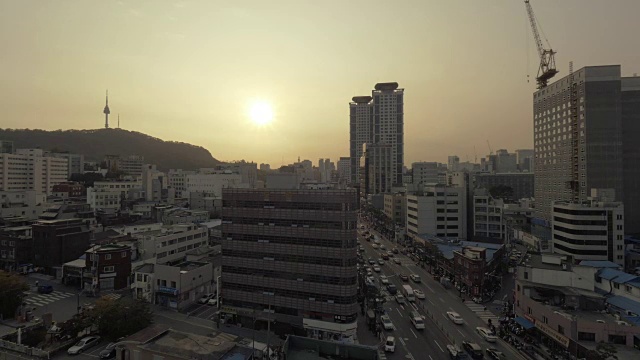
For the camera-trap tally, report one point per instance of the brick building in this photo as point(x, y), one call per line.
point(108, 267)
point(56, 242)
point(69, 190)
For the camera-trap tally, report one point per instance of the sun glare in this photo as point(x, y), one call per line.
point(261, 113)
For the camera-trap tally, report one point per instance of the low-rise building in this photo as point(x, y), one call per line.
point(576, 307)
point(56, 242)
point(181, 285)
point(69, 190)
point(170, 215)
point(16, 248)
point(108, 267)
point(28, 203)
point(171, 242)
point(143, 284)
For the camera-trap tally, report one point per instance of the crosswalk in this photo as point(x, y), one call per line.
point(35, 299)
point(483, 314)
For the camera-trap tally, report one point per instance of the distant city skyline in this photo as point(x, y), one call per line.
point(197, 71)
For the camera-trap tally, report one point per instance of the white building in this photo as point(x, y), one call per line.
point(75, 162)
point(30, 169)
point(487, 215)
point(177, 179)
point(248, 171)
point(29, 204)
point(107, 200)
point(439, 211)
point(591, 230)
point(213, 183)
point(171, 242)
point(153, 182)
point(425, 173)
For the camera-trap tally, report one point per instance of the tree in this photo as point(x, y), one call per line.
point(120, 318)
point(12, 289)
point(501, 192)
point(603, 351)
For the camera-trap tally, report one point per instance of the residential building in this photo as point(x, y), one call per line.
point(591, 230)
point(75, 162)
point(521, 183)
point(425, 173)
point(131, 165)
point(108, 267)
point(69, 210)
point(123, 186)
point(291, 254)
point(177, 179)
point(248, 171)
point(154, 183)
point(171, 242)
point(143, 284)
point(104, 199)
point(212, 183)
point(377, 174)
point(439, 211)
point(56, 242)
point(578, 137)
point(30, 169)
point(178, 286)
point(631, 152)
point(170, 215)
point(378, 119)
point(395, 207)
point(575, 307)
point(206, 201)
point(16, 248)
point(265, 167)
point(344, 170)
point(69, 190)
point(26, 203)
point(487, 216)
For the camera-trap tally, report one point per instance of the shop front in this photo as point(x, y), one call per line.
point(168, 297)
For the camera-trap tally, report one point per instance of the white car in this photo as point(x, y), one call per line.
point(384, 280)
point(382, 247)
point(376, 268)
point(419, 294)
point(386, 322)
point(455, 317)
point(374, 246)
point(400, 299)
point(84, 344)
point(390, 344)
point(415, 278)
point(486, 334)
point(397, 261)
point(212, 302)
point(205, 298)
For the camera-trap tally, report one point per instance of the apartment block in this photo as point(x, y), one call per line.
point(75, 162)
point(439, 210)
point(291, 254)
point(377, 172)
point(395, 207)
point(30, 169)
point(591, 230)
point(487, 215)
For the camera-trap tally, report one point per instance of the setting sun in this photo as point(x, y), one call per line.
point(261, 113)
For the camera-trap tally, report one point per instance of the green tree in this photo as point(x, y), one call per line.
point(12, 289)
point(603, 351)
point(120, 318)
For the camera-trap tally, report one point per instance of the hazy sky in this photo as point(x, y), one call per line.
point(189, 70)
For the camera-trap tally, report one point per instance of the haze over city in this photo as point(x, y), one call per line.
point(194, 71)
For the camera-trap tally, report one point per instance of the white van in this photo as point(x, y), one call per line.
point(390, 344)
point(417, 320)
point(407, 291)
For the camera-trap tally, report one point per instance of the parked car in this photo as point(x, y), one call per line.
point(45, 289)
point(415, 278)
point(108, 352)
point(390, 253)
point(382, 247)
point(473, 349)
point(455, 317)
point(419, 294)
point(486, 334)
point(390, 344)
point(212, 302)
point(83, 345)
point(386, 322)
point(205, 298)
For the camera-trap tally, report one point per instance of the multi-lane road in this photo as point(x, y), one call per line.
point(439, 331)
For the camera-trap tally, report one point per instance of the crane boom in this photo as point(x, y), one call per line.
point(547, 69)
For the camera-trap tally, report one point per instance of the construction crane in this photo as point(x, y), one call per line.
point(547, 69)
point(490, 149)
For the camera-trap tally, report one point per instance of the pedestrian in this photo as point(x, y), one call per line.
point(37, 283)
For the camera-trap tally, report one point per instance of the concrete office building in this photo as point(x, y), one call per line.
point(425, 173)
point(178, 286)
point(290, 255)
point(524, 158)
point(578, 137)
point(75, 162)
point(505, 162)
point(29, 204)
point(521, 183)
point(631, 152)
point(378, 119)
point(30, 169)
point(171, 242)
point(56, 242)
point(438, 211)
point(487, 215)
point(344, 170)
point(376, 173)
point(452, 163)
point(591, 230)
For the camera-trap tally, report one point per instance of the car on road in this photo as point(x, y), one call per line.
point(390, 344)
point(455, 317)
point(397, 261)
point(376, 268)
point(417, 320)
point(212, 302)
point(371, 261)
point(493, 353)
point(83, 345)
point(419, 294)
point(45, 289)
point(382, 247)
point(486, 334)
point(392, 289)
point(395, 251)
point(205, 298)
point(380, 262)
point(455, 353)
point(386, 322)
point(375, 246)
point(403, 277)
point(473, 349)
point(384, 257)
point(415, 278)
point(108, 352)
point(400, 299)
point(390, 253)
point(384, 280)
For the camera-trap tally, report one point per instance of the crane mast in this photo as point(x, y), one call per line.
point(547, 68)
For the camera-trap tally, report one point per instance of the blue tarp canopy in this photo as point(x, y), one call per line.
point(526, 324)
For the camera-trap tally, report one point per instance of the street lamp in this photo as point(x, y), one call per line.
point(218, 291)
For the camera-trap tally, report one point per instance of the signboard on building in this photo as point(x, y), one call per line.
point(559, 338)
point(167, 290)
